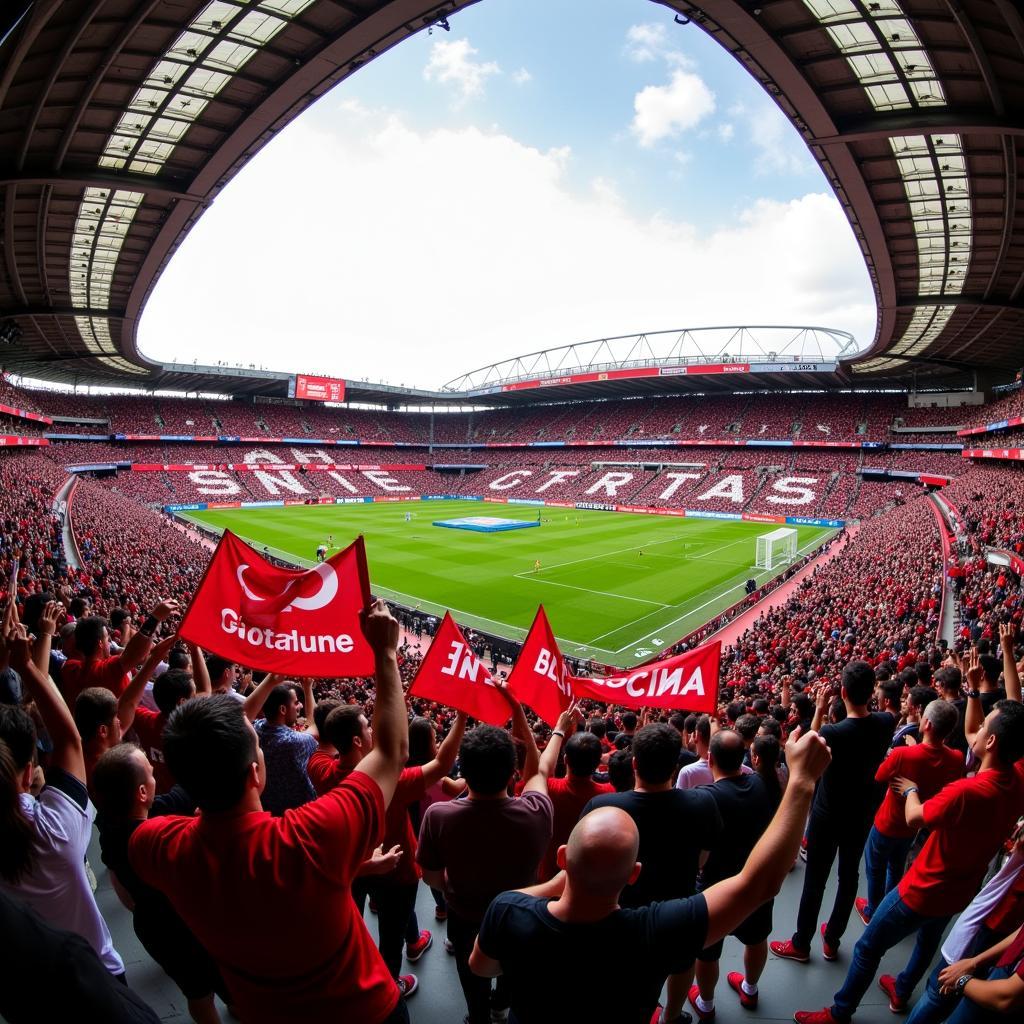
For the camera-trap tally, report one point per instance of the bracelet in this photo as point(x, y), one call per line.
point(913, 789)
point(974, 694)
point(558, 732)
point(149, 626)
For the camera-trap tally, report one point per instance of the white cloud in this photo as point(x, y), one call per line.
point(726, 131)
point(522, 76)
point(663, 111)
point(415, 256)
point(779, 150)
point(452, 63)
point(649, 42)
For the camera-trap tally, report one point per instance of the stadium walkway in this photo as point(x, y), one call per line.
point(785, 986)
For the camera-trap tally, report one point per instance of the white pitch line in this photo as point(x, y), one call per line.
point(713, 551)
point(692, 611)
point(483, 618)
point(589, 590)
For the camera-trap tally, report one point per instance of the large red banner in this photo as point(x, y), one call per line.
point(297, 622)
point(454, 676)
point(539, 678)
point(687, 682)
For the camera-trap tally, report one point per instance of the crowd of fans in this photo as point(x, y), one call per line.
point(804, 417)
point(844, 724)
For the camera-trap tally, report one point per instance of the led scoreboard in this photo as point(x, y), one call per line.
point(316, 389)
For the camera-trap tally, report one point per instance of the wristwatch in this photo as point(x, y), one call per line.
point(974, 694)
point(961, 983)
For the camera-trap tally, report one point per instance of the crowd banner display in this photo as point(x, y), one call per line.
point(539, 678)
point(453, 675)
point(296, 622)
point(687, 682)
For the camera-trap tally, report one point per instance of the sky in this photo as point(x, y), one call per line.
point(546, 172)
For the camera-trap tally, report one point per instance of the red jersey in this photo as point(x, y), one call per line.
point(569, 796)
point(398, 826)
point(931, 768)
point(270, 899)
point(149, 727)
point(968, 820)
point(77, 675)
point(323, 771)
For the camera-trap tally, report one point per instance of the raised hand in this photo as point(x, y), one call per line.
point(974, 673)
point(380, 628)
point(165, 609)
point(807, 755)
point(50, 618)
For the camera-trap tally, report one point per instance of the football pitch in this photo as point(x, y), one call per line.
point(617, 587)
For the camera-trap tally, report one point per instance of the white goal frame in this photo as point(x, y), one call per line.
point(776, 548)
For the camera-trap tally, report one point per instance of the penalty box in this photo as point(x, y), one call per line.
point(485, 524)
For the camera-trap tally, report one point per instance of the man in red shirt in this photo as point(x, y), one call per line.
point(173, 688)
point(270, 898)
point(569, 795)
point(102, 719)
point(968, 822)
point(931, 765)
point(93, 664)
point(393, 891)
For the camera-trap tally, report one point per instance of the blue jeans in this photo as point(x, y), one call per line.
point(933, 1007)
point(884, 860)
point(971, 1013)
point(891, 923)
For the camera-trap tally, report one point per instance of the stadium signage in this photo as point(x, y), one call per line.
point(700, 514)
point(596, 506)
point(994, 453)
point(14, 441)
point(24, 414)
point(525, 501)
point(316, 389)
point(832, 524)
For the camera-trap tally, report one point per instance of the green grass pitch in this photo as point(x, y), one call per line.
point(617, 587)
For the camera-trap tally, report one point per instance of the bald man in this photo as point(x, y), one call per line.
point(546, 939)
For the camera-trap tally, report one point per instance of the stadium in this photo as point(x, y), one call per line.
point(811, 503)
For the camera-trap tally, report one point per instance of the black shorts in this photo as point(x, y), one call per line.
point(178, 952)
point(750, 932)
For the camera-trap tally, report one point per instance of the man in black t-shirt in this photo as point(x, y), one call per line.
point(747, 808)
point(844, 806)
point(675, 827)
point(540, 937)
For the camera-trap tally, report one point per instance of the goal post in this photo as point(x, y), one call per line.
point(776, 548)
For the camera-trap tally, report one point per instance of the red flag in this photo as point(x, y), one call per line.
point(687, 682)
point(540, 678)
point(453, 675)
point(295, 621)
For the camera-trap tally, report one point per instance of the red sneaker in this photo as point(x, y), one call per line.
point(787, 951)
point(897, 1004)
point(407, 984)
point(829, 951)
point(735, 979)
point(705, 1015)
point(862, 906)
point(816, 1017)
point(414, 950)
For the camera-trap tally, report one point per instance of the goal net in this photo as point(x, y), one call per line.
point(776, 548)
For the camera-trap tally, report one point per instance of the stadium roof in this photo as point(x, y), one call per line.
point(121, 120)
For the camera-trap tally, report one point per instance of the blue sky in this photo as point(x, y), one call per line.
point(585, 69)
point(546, 172)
